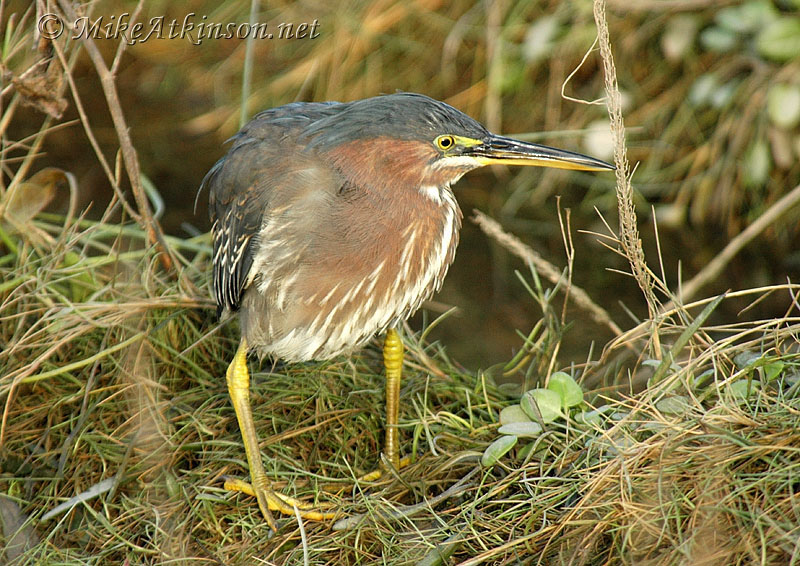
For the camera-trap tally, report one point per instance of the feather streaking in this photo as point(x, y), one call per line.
point(321, 242)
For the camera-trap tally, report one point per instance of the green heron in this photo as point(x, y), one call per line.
point(333, 222)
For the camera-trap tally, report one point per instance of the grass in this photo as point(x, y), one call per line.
point(116, 431)
point(115, 379)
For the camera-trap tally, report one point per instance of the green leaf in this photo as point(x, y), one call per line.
point(542, 402)
point(783, 105)
point(528, 428)
point(513, 414)
point(718, 39)
point(570, 392)
point(780, 40)
point(679, 36)
point(497, 450)
point(757, 164)
point(741, 389)
point(592, 418)
point(537, 450)
point(773, 370)
point(747, 18)
point(701, 379)
point(674, 405)
point(702, 89)
point(746, 358)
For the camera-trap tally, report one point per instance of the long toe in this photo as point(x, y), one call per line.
point(377, 474)
point(270, 500)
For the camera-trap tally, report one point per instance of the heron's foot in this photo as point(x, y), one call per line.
point(375, 475)
point(270, 500)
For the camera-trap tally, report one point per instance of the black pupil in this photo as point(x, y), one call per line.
point(446, 142)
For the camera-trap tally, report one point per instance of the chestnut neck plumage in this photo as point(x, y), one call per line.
point(393, 214)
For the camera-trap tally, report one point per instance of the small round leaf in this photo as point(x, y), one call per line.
point(570, 392)
point(497, 450)
point(757, 164)
point(513, 414)
point(783, 105)
point(718, 39)
point(542, 402)
point(529, 429)
point(742, 389)
point(773, 370)
point(675, 405)
point(595, 417)
point(746, 358)
point(780, 40)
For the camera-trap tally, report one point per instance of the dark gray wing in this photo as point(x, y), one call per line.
point(241, 186)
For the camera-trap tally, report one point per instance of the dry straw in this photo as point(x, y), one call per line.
point(117, 433)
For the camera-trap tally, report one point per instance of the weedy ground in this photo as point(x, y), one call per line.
point(117, 434)
point(116, 431)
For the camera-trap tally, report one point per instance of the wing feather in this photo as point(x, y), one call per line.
point(242, 187)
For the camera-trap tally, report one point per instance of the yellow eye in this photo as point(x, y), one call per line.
point(445, 142)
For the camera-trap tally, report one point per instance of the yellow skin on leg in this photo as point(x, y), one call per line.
point(393, 361)
point(268, 500)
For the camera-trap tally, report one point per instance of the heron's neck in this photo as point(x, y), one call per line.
point(383, 165)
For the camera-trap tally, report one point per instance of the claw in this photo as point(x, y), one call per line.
point(281, 503)
point(268, 500)
point(375, 475)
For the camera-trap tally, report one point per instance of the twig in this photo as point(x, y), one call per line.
point(510, 242)
point(97, 489)
point(76, 98)
point(407, 511)
point(154, 233)
point(715, 266)
point(494, 60)
point(303, 538)
point(247, 71)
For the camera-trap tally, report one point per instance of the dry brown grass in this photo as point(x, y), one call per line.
point(116, 430)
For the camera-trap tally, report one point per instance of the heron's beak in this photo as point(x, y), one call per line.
point(498, 149)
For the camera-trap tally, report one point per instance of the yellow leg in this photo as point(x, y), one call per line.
point(393, 361)
point(268, 500)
